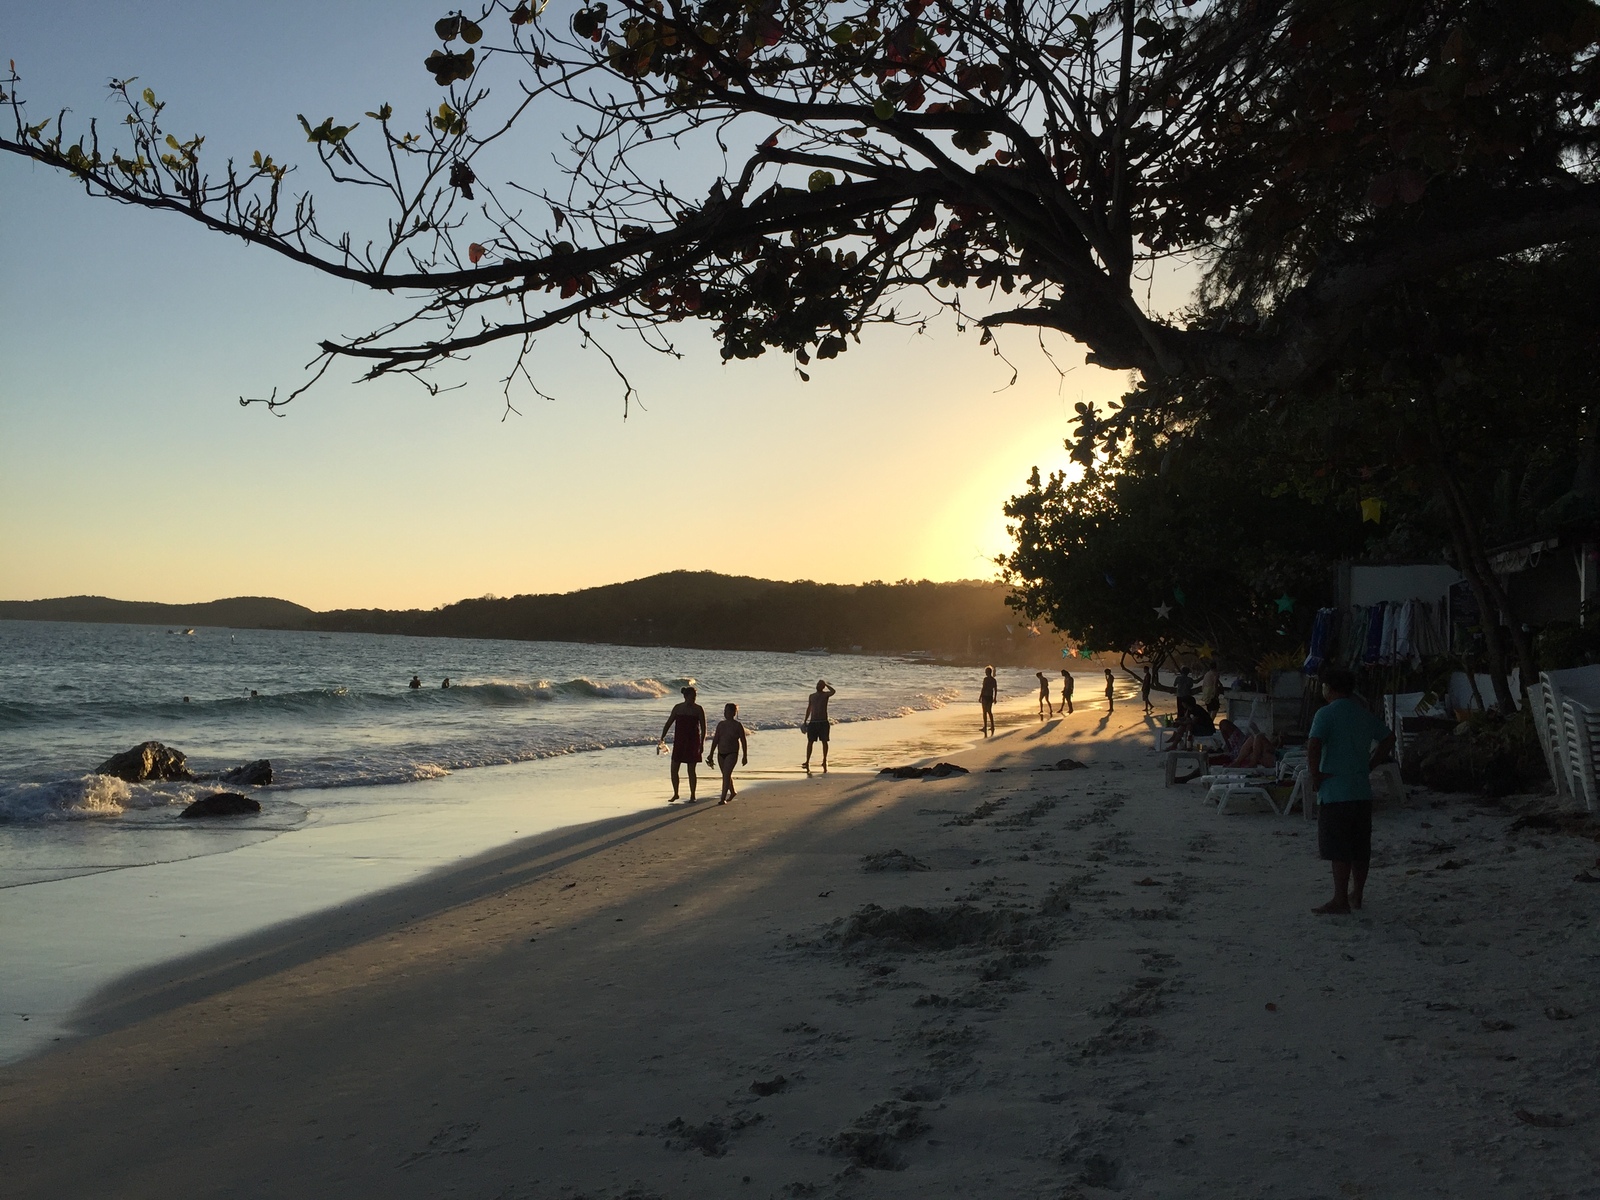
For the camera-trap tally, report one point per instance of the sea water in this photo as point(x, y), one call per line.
point(335, 716)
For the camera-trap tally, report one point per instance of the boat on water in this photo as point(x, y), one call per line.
point(188, 633)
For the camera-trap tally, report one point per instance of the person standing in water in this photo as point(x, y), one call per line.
point(986, 698)
point(1044, 695)
point(1066, 692)
point(688, 724)
point(815, 722)
point(416, 683)
point(726, 744)
point(1111, 701)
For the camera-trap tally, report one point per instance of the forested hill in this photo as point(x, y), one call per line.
point(699, 609)
point(710, 611)
point(239, 612)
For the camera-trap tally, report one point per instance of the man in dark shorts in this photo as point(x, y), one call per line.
point(815, 722)
point(1044, 695)
point(1066, 691)
point(1341, 754)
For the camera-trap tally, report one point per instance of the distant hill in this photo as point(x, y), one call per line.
point(699, 609)
point(239, 612)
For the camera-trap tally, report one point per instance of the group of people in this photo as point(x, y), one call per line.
point(416, 683)
point(730, 744)
point(989, 692)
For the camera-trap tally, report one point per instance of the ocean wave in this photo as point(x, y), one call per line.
point(489, 693)
point(88, 797)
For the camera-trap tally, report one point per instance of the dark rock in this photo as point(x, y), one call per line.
point(254, 774)
point(938, 771)
point(768, 1087)
point(222, 804)
point(147, 761)
point(911, 928)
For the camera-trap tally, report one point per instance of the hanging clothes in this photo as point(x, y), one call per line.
point(1322, 628)
point(1372, 648)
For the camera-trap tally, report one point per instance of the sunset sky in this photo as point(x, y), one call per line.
point(127, 467)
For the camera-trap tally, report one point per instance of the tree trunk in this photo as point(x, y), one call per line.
point(1528, 669)
point(1467, 564)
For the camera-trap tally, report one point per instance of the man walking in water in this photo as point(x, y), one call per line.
point(1044, 695)
point(986, 695)
point(688, 724)
point(1066, 692)
point(815, 722)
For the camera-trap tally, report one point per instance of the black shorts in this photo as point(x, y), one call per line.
point(817, 731)
point(1344, 831)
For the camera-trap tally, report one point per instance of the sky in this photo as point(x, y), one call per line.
point(129, 469)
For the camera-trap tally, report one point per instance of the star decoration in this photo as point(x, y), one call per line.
point(1163, 610)
point(1285, 603)
point(1178, 595)
point(1372, 510)
point(1066, 652)
point(1205, 651)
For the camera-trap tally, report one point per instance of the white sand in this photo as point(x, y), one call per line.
point(585, 1015)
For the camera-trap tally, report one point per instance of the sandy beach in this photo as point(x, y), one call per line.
point(1103, 988)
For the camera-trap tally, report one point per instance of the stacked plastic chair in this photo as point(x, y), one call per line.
point(1570, 702)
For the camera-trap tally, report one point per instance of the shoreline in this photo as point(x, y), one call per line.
point(66, 938)
point(1114, 992)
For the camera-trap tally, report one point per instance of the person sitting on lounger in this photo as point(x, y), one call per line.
point(1244, 749)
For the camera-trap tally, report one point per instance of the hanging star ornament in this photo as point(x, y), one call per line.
point(1372, 510)
point(1285, 603)
point(1206, 650)
point(1178, 595)
point(1163, 610)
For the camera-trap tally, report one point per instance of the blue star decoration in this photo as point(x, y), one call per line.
point(1285, 603)
point(1110, 582)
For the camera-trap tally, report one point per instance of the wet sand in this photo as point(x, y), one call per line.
point(1110, 990)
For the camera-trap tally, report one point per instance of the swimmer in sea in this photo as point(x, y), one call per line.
point(416, 682)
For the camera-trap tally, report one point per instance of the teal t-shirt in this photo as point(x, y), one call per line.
point(1347, 732)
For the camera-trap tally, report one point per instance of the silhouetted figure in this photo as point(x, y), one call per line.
point(1066, 691)
point(1146, 682)
point(726, 743)
point(446, 684)
point(688, 724)
point(986, 699)
point(416, 683)
point(815, 722)
point(1111, 703)
point(1044, 694)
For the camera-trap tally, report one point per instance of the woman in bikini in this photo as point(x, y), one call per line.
point(687, 721)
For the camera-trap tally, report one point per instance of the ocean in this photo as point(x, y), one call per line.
point(334, 715)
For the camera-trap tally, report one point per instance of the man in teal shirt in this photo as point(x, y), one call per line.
point(1341, 755)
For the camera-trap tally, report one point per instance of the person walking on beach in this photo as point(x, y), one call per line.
point(986, 697)
point(727, 743)
point(1066, 692)
point(688, 724)
point(1146, 682)
point(1340, 755)
point(1111, 701)
point(1044, 695)
point(815, 722)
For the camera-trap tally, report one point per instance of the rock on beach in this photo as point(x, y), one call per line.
point(145, 762)
point(222, 804)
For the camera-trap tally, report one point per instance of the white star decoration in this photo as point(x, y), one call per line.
point(1163, 610)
